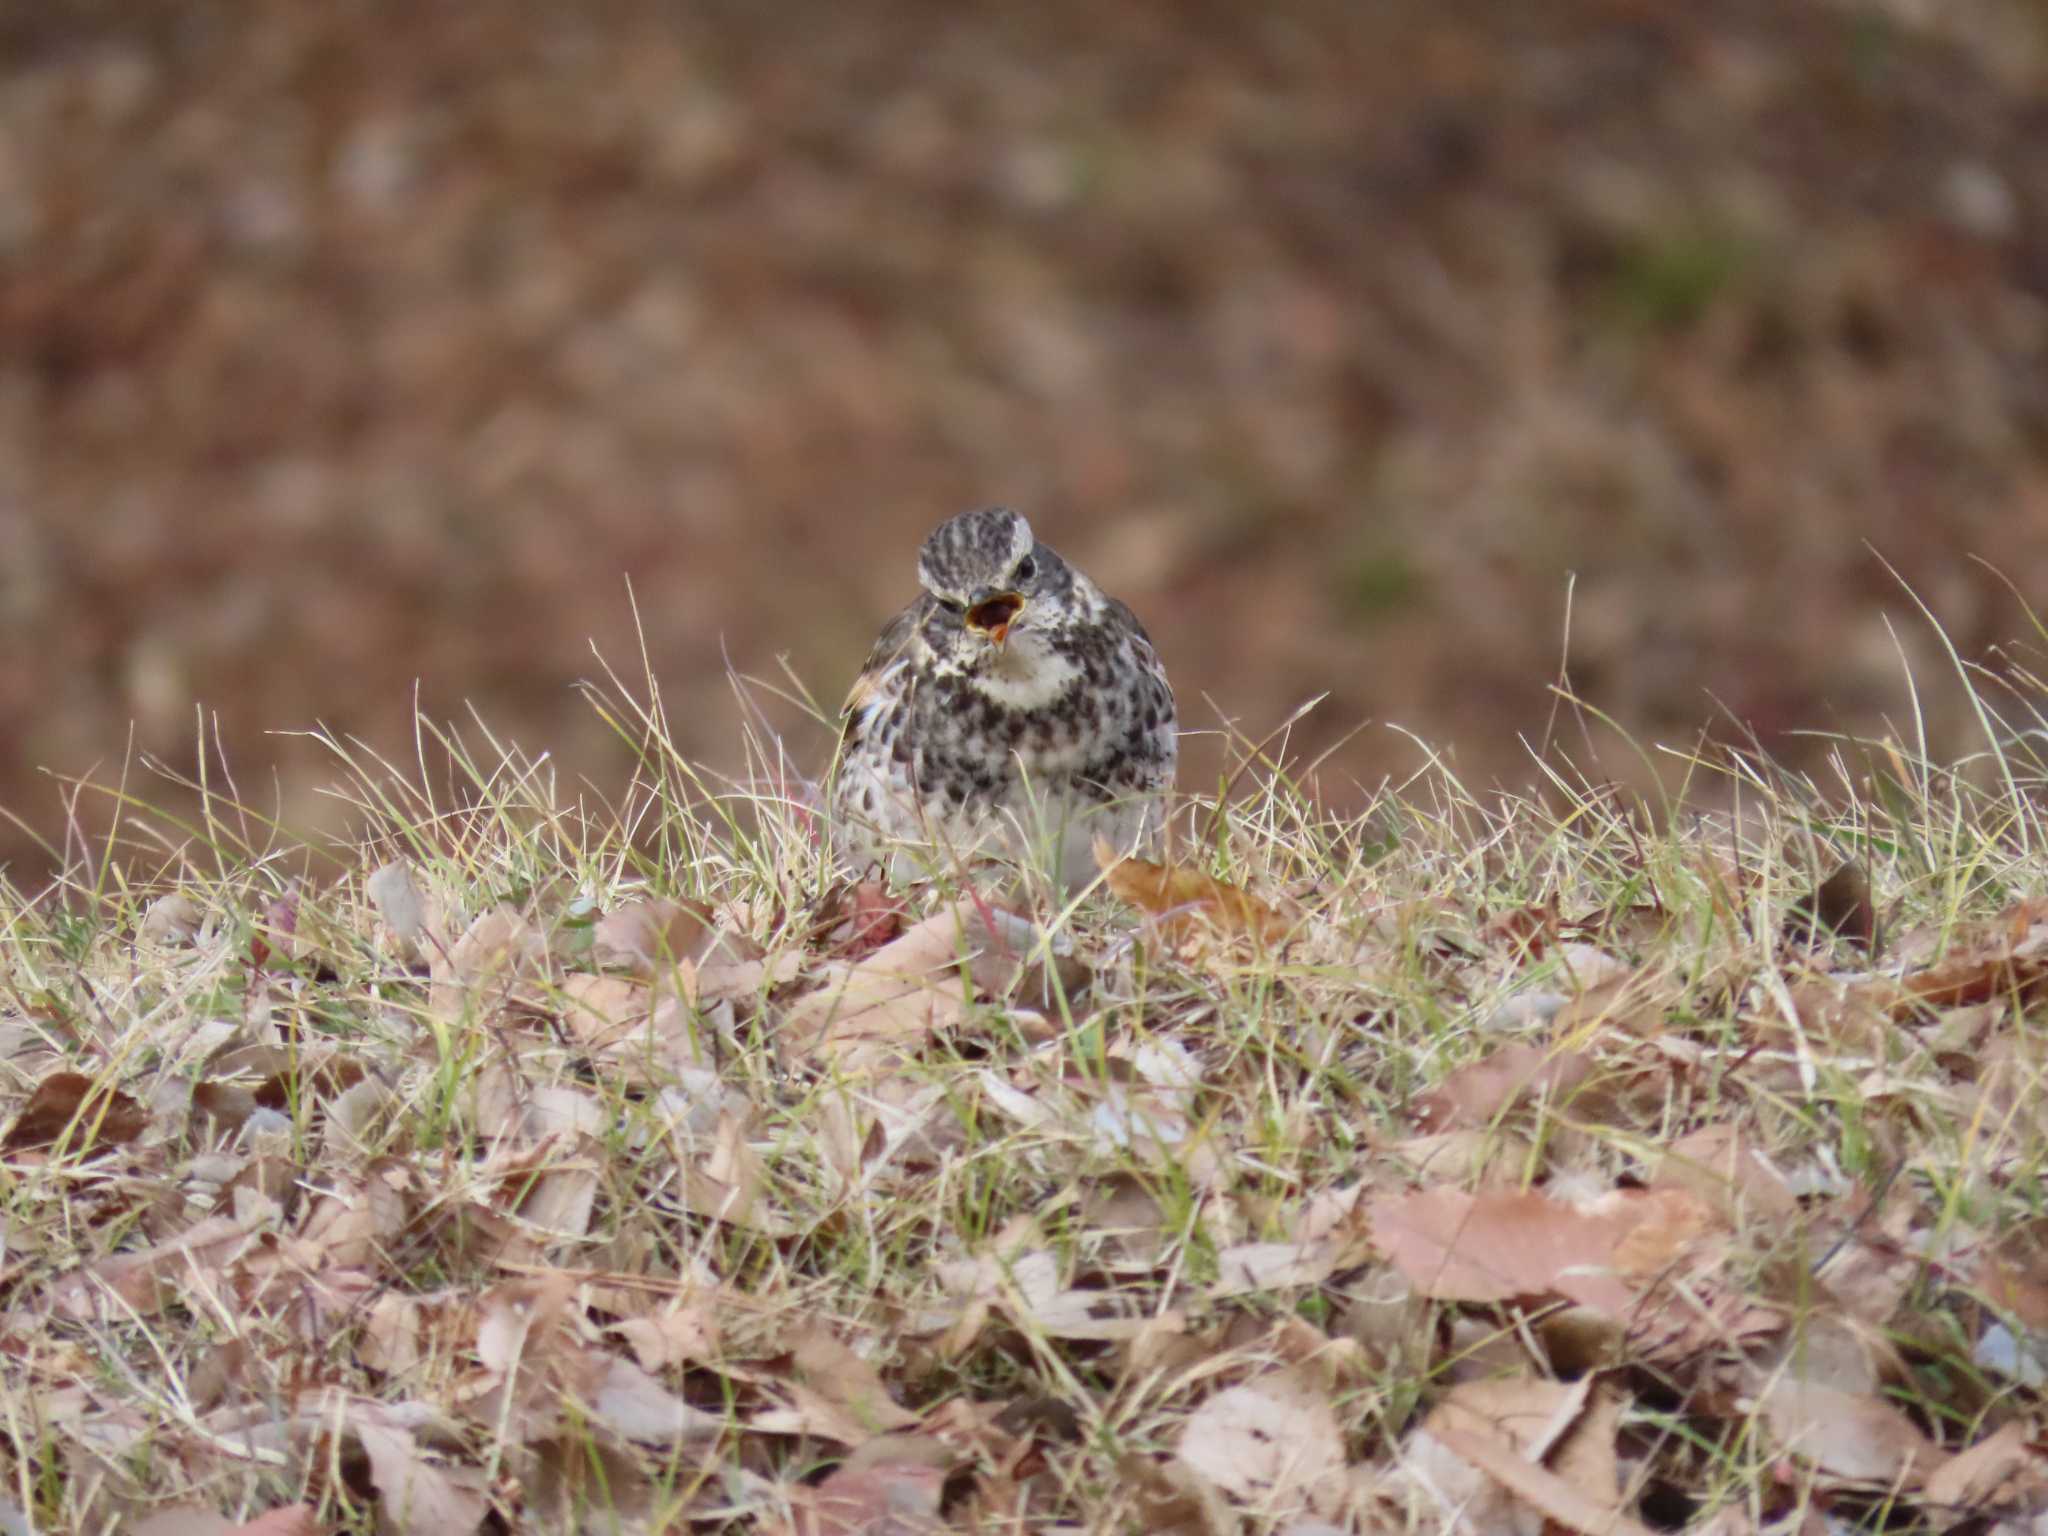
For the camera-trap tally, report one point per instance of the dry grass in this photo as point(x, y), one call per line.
point(1468, 1163)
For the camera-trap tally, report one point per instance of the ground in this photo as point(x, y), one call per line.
point(348, 351)
point(1466, 1165)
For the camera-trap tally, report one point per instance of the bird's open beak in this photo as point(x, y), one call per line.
point(993, 616)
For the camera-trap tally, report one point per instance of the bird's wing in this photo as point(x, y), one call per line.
point(882, 663)
point(1142, 650)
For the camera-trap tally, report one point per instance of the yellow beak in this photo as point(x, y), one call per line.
point(993, 616)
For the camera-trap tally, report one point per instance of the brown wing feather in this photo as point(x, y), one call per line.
point(1141, 643)
point(889, 645)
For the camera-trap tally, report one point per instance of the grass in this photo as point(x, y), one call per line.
point(530, 1163)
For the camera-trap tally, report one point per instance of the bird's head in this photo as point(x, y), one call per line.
point(992, 580)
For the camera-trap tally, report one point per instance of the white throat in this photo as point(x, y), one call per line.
point(1026, 674)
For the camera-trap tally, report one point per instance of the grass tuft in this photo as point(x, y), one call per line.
point(535, 1158)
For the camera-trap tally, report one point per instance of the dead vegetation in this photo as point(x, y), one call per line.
point(1540, 1164)
point(344, 346)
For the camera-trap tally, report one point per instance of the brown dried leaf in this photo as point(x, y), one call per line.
point(155, 1277)
point(1244, 1268)
point(1847, 1016)
point(884, 1498)
point(1586, 1455)
point(418, 1497)
point(497, 953)
point(730, 1186)
point(1721, 1167)
point(2015, 1280)
point(84, 1113)
point(396, 896)
point(864, 918)
point(826, 1364)
point(393, 1334)
point(1695, 1305)
point(178, 1520)
point(1850, 1438)
point(1478, 1093)
point(1531, 929)
point(1840, 906)
point(223, 1106)
point(285, 1520)
point(1273, 1443)
point(2007, 957)
point(518, 1318)
point(681, 1333)
point(1614, 997)
point(562, 1200)
point(1554, 1496)
point(1493, 1245)
point(604, 1010)
point(309, 1078)
point(352, 1226)
point(653, 935)
point(1666, 1222)
point(1525, 1415)
point(2001, 1472)
point(1189, 905)
point(172, 919)
point(632, 1404)
point(912, 987)
point(731, 973)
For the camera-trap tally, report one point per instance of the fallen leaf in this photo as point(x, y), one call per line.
point(223, 1106)
point(889, 1498)
point(1477, 1094)
point(1246, 1268)
point(2014, 1276)
point(155, 1277)
point(912, 987)
point(652, 936)
point(1849, 1438)
point(415, 1496)
point(1531, 929)
point(285, 1520)
point(393, 1334)
point(1273, 1443)
point(172, 919)
point(2001, 1472)
point(1663, 1223)
point(1494, 1245)
point(681, 1333)
point(1526, 1414)
point(1187, 904)
point(600, 1011)
point(353, 1224)
point(499, 951)
point(730, 1185)
point(1839, 906)
point(833, 1373)
point(1587, 1455)
point(85, 1114)
point(396, 896)
point(632, 1404)
point(867, 916)
point(178, 1520)
point(1553, 1496)
point(276, 932)
point(1720, 1165)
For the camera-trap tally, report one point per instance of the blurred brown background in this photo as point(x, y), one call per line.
point(348, 344)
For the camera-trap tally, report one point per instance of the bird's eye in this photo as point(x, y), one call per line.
point(1027, 568)
point(952, 605)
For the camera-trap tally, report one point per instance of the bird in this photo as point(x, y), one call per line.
point(1012, 709)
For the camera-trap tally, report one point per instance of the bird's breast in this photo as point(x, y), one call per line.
point(1025, 679)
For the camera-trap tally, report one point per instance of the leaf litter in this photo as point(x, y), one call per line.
point(1562, 1176)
